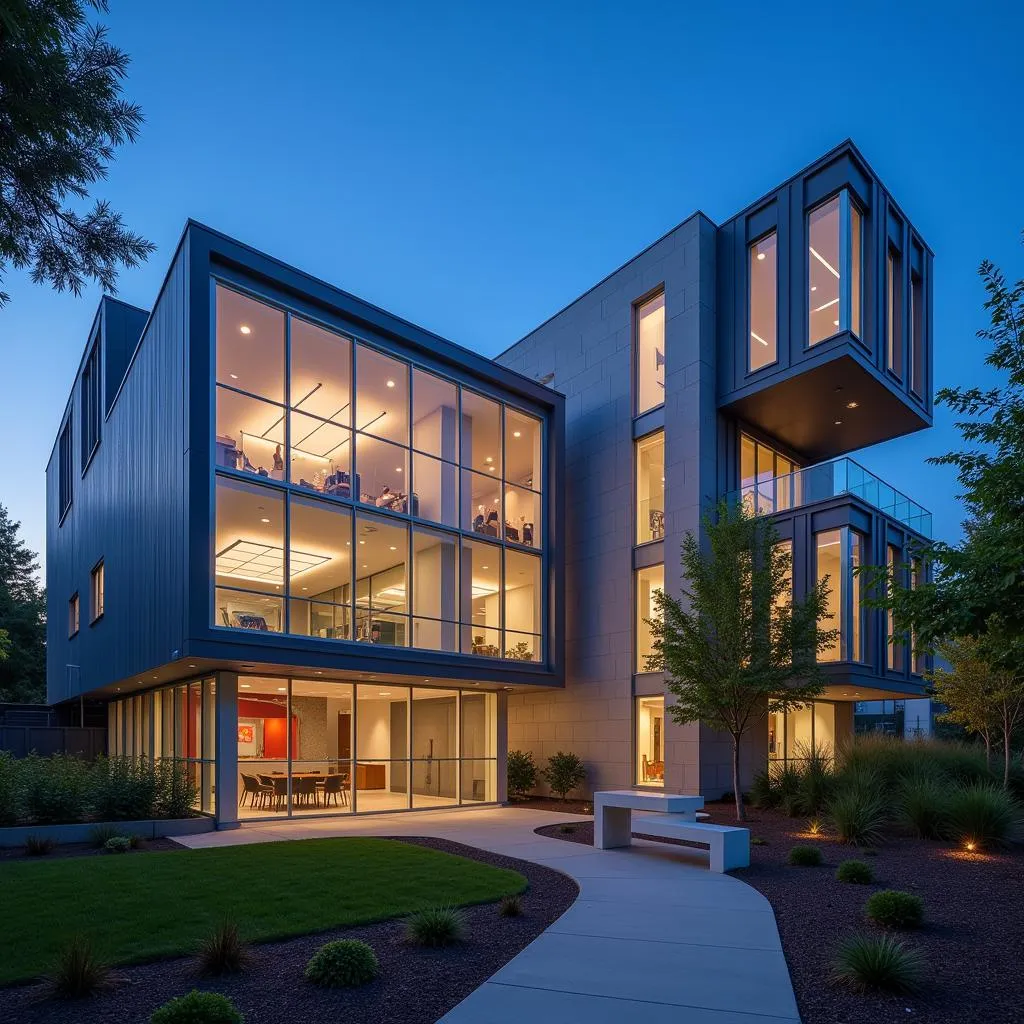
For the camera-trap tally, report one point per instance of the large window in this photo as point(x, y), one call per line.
point(768, 479)
point(65, 483)
point(793, 735)
point(316, 747)
point(650, 741)
point(73, 615)
point(91, 414)
point(650, 488)
point(349, 427)
point(649, 582)
point(763, 299)
point(834, 269)
point(649, 330)
point(893, 312)
point(839, 554)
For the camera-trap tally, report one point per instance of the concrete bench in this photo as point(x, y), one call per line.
point(613, 812)
point(729, 845)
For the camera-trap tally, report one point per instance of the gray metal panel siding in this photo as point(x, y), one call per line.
point(129, 511)
point(122, 328)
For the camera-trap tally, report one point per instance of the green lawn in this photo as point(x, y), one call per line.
point(145, 905)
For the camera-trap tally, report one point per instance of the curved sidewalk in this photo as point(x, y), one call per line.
point(654, 936)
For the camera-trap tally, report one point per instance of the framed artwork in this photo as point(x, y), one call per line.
point(246, 734)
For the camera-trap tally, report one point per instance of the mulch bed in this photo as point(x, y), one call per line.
point(87, 850)
point(416, 986)
point(973, 934)
point(551, 803)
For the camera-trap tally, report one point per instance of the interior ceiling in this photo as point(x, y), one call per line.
point(809, 411)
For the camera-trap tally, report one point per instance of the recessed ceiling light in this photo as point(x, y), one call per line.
point(835, 323)
point(318, 672)
point(305, 588)
point(393, 548)
point(398, 469)
point(814, 287)
point(838, 422)
point(244, 686)
point(191, 666)
point(760, 255)
point(485, 567)
point(490, 469)
point(385, 693)
point(852, 405)
point(515, 433)
point(234, 376)
point(264, 520)
point(282, 689)
point(391, 383)
point(362, 542)
point(489, 459)
point(118, 689)
point(245, 329)
point(364, 565)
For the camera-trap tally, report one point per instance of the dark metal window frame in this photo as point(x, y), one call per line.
point(92, 405)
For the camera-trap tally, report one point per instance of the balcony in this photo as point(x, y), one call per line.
point(831, 480)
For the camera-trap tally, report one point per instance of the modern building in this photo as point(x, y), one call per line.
point(339, 564)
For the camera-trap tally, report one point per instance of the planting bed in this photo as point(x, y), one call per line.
point(416, 986)
point(972, 935)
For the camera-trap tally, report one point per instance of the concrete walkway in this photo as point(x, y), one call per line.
point(653, 937)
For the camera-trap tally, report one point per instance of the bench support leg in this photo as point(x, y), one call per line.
point(612, 827)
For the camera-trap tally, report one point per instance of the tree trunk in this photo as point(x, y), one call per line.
point(988, 750)
point(741, 814)
point(1007, 738)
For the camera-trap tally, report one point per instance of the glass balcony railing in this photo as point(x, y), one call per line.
point(830, 480)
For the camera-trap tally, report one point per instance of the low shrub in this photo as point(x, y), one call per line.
point(805, 857)
point(118, 844)
point(198, 1008)
point(857, 814)
point(223, 951)
point(895, 909)
point(78, 971)
point(510, 906)
point(436, 926)
point(39, 846)
point(344, 963)
point(763, 793)
point(522, 773)
point(855, 872)
point(10, 795)
point(177, 792)
point(879, 963)
point(922, 806)
point(564, 772)
point(984, 815)
point(54, 790)
point(99, 834)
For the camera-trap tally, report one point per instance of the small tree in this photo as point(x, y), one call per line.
point(522, 773)
point(736, 645)
point(985, 699)
point(564, 772)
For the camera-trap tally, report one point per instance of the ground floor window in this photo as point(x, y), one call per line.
point(308, 747)
point(173, 722)
point(793, 735)
point(650, 741)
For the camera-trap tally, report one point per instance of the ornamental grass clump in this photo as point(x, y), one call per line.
point(198, 1008)
point(895, 909)
point(345, 963)
point(435, 926)
point(223, 951)
point(983, 815)
point(39, 846)
point(857, 813)
point(878, 963)
point(78, 971)
point(510, 906)
point(923, 806)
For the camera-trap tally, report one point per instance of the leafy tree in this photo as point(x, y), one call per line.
point(736, 645)
point(986, 700)
point(61, 118)
point(977, 586)
point(22, 618)
point(522, 773)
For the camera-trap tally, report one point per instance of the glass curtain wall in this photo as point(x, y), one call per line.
point(172, 723)
point(792, 735)
point(313, 748)
point(320, 470)
point(768, 480)
point(650, 488)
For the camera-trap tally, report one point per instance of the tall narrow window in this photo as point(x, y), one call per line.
point(769, 482)
point(829, 561)
point(893, 320)
point(650, 353)
point(839, 554)
point(96, 590)
point(65, 484)
point(917, 578)
point(650, 741)
point(648, 582)
point(650, 488)
point(835, 273)
point(916, 334)
point(763, 301)
point(91, 404)
point(73, 615)
point(895, 648)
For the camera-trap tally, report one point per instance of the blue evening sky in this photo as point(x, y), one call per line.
point(474, 167)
